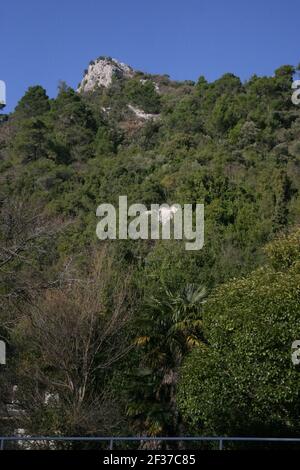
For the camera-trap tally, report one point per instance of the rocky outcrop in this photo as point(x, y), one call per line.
point(139, 113)
point(101, 73)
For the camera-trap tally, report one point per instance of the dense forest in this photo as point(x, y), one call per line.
point(141, 337)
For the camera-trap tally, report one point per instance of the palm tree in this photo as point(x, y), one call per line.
point(171, 325)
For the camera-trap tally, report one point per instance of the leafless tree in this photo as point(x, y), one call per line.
point(27, 238)
point(72, 337)
point(27, 234)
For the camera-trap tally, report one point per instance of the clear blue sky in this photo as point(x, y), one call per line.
point(43, 41)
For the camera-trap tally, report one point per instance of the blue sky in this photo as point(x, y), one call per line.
point(44, 41)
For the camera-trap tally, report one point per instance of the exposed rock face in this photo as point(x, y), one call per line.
point(141, 114)
point(101, 73)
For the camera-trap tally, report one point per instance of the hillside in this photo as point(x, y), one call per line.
point(233, 146)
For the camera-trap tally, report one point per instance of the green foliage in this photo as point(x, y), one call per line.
point(143, 94)
point(234, 147)
point(34, 103)
point(31, 142)
point(284, 251)
point(105, 141)
point(245, 382)
point(73, 126)
point(168, 326)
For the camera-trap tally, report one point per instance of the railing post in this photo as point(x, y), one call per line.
point(2, 444)
point(221, 444)
point(111, 444)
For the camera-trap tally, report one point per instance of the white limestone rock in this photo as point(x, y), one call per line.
point(101, 73)
point(141, 114)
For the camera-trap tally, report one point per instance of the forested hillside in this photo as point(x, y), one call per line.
point(129, 337)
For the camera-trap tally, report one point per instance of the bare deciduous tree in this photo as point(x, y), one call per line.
point(26, 237)
point(76, 333)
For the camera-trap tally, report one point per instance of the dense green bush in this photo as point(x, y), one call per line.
point(244, 381)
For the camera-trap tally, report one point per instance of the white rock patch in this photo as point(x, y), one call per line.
point(101, 73)
point(141, 114)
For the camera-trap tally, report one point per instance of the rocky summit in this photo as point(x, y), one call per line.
point(101, 73)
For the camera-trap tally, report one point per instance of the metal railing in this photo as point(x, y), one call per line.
point(111, 440)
